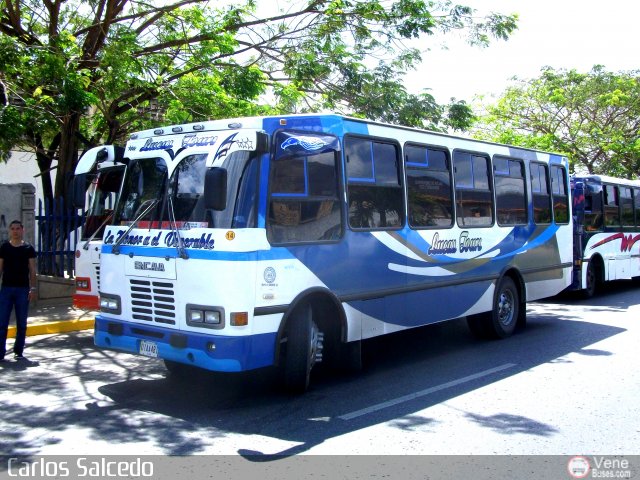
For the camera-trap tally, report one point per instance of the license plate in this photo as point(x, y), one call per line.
point(148, 348)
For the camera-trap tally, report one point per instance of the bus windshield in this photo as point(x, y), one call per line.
point(180, 197)
point(144, 183)
point(103, 195)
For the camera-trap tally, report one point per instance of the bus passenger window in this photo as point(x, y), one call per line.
point(430, 199)
point(560, 194)
point(541, 193)
point(592, 221)
point(374, 189)
point(636, 205)
point(611, 210)
point(626, 206)
point(511, 194)
point(474, 206)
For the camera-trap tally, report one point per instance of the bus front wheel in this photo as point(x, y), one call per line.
point(302, 350)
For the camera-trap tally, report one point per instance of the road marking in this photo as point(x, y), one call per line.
point(422, 393)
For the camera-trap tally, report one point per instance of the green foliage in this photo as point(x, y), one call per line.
point(593, 118)
point(82, 73)
point(196, 97)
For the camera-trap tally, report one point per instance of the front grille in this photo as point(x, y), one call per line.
point(153, 301)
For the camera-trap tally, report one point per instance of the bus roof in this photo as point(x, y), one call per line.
point(257, 123)
point(600, 179)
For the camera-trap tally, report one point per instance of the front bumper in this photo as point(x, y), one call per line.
point(210, 352)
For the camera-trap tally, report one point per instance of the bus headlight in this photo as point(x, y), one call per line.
point(195, 316)
point(205, 316)
point(110, 303)
point(211, 317)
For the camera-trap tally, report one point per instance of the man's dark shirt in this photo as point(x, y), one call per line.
point(15, 272)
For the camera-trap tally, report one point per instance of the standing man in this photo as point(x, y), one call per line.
point(18, 271)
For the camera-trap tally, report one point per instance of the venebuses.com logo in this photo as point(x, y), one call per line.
point(599, 467)
point(579, 467)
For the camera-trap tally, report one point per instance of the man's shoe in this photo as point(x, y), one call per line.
point(18, 356)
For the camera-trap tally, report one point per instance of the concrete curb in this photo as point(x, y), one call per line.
point(43, 328)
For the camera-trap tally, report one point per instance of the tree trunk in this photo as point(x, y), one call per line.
point(44, 164)
point(68, 154)
point(44, 157)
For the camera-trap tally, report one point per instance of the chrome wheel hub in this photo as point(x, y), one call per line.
point(316, 344)
point(505, 308)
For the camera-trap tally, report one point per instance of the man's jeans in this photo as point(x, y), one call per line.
point(11, 297)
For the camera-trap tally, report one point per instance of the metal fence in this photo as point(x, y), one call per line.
point(57, 235)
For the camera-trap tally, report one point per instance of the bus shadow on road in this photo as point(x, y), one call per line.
point(404, 373)
point(125, 399)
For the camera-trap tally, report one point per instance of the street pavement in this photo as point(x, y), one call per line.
point(55, 316)
point(566, 386)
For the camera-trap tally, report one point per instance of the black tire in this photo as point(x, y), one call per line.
point(592, 281)
point(505, 315)
point(302, 350)
point(506, 308)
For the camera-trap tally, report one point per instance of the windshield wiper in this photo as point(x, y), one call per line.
point(182, 252)
point(93, 235)
point(152, 203)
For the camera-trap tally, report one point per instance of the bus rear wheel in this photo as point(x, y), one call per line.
point(592, 281)
point(502, 320)
point(302, 350)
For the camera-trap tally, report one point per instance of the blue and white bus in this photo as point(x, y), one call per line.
point(286, 241)
point(606, 243)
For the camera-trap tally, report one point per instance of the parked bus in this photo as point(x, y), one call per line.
point(285, 241)
point(97, 183)
point(607, 231)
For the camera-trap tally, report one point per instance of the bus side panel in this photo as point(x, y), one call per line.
point(87, 266)
point(398, 312)
point(620, 252)
point(395, 283)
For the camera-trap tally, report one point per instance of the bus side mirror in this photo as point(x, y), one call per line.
point(79, 191)
point(262, 142)
point(215, 189)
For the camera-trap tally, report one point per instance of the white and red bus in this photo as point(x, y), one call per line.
point(606, 243)
point(97, 182)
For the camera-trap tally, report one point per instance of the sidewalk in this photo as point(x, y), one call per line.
point(54, 317)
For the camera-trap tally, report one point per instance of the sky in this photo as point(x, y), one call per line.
point(558, 33)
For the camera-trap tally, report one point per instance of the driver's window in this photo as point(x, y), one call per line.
point(304, 203)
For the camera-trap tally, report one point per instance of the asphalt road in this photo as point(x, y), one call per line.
point(568, 385)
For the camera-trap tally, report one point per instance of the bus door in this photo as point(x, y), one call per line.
point(579, 194)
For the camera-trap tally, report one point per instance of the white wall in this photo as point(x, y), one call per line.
point(23, 168)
